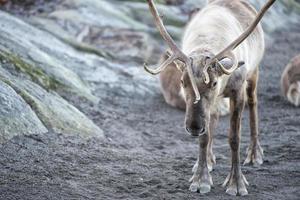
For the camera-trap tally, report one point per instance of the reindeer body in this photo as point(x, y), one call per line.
point(210, 31)
point(221, 51)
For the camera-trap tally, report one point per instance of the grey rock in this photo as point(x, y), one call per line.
point(37, 53)
point(55, 113)
point(16, 116)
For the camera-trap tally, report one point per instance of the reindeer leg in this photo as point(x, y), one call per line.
point(254, 151)
point(211, 158)
point(201, 180)
point(236, 181)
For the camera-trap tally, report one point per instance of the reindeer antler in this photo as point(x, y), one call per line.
point(228, 50)
point(176, 52)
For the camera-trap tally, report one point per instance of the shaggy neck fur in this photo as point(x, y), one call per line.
point(217, 25)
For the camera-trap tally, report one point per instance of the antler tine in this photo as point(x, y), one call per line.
point(177, 53)
point(161, 67)
point(189, 65)
point(249, 30)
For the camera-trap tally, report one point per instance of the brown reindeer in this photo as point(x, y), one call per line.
point(290, 81)
point(215, 62)
point(3, 2)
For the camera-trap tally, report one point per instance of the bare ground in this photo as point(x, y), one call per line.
point(148, 155)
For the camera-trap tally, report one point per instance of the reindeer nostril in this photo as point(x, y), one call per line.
point(187, 129)
point(202, 130)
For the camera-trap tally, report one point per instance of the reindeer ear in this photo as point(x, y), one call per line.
point(227, 63)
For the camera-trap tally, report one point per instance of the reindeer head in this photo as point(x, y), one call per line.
point(208, 85)
point(201, 72)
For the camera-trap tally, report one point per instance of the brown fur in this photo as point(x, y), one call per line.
point(290, 81)
point(170, 85)
point(3, 2)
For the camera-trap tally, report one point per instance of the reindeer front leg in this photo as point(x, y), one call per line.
point(236, 181)
point(211, 158)
point(201, 180)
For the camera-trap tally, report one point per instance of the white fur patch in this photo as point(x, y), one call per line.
point(293, 93)
point(224, 106)
point(182, 93)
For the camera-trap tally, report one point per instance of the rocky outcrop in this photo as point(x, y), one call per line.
point(36, 66)
point(27, 108)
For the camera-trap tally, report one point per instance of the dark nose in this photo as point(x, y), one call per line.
point(195, 132)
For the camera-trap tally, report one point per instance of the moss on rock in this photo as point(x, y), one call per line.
point(36, 74)
point(54, 112)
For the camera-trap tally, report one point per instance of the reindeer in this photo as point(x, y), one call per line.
point(290, 81)
point(215, 62)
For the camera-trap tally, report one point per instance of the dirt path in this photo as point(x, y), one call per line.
point(149, 156)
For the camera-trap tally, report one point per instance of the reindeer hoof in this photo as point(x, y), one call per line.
point(201, 182)
point(254, 155)
point(236, 184)
point(200, 187)
point(232, 190)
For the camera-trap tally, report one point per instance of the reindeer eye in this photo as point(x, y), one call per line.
point(181, 82)
point(214, 84)
point(214, 65)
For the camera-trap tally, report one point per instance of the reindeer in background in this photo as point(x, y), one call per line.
point(215, 63)
point(2, 2)
point(290, 81)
